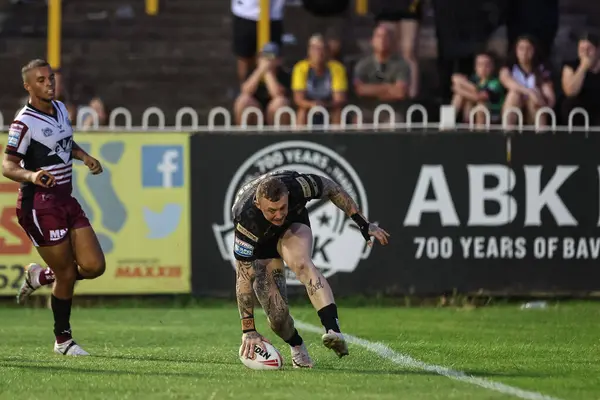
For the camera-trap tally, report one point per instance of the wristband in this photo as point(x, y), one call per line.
point(248, 325)
point(363, 224)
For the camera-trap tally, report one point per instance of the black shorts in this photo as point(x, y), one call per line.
point(268, 249)
point(412, 11)
point(245, 36)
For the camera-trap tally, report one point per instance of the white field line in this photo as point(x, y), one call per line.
point(407, 361)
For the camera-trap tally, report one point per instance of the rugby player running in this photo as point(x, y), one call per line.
point(39, 155)
point(272, 224)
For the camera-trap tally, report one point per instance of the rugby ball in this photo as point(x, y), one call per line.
point(269, 359)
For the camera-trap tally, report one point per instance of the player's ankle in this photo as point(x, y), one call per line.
point(329, 318)
point(46, 277)
point(63, 337)
point(295, 340)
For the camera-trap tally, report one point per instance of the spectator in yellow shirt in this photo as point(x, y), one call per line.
point(318, 81)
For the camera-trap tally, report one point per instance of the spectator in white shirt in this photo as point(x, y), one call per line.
point(246, 14)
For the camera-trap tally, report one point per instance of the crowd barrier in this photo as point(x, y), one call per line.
point(447, 121)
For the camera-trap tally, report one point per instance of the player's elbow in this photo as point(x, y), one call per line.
point(7, 168)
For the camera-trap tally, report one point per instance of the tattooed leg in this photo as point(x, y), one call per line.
point(267, 286)
point(295, 247)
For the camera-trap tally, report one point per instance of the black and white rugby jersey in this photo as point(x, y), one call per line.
point(43, 141)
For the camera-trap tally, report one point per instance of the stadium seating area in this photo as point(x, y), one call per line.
point(182, 57)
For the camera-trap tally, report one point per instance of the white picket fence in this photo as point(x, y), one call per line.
point(120, 119)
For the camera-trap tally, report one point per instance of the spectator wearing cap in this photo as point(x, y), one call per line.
point(319, 81)
point(266, 87)
point(581, 80)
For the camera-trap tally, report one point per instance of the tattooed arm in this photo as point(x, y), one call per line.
point(243, 291)
point(339, 197)
point(344, 202)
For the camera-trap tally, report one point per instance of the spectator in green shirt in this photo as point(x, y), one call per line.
point(482, 88)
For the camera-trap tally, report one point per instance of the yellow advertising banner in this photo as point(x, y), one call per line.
point(139, 208)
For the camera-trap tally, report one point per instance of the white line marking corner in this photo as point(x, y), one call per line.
point(407, 361)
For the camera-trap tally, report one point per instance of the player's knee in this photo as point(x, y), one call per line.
point(65, 273)
point(302, 268)
point(94, 268)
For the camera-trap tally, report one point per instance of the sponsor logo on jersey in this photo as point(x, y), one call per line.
point(57, 234)
point(242, 248)
point(246, 233)
point(14, 134)
point(338, 245)
point(305, 186)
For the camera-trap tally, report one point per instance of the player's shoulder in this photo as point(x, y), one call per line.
point(310, 185)
point(24, 117)
point(59, 104)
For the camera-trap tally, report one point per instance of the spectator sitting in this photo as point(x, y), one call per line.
point(482, 88)
point(318, 81)
point(403, 17)
point(528, 82)
point(581, 80)
point(265, 87)
point(381, 77)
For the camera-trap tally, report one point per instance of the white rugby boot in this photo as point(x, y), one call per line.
point(31, 283)
point(69, 348)
point(300, 357)
point(336, 342)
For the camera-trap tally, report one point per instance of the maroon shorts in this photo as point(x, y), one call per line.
point(50, 226)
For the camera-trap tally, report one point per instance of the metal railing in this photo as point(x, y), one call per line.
point(224, 115)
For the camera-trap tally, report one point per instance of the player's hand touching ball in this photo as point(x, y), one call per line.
point(249, 340)
point(93, 165)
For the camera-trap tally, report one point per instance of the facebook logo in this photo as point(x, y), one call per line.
point(162, 166)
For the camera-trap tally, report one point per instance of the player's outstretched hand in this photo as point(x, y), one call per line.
point(94, 165)
point(43, 178)
point(249, 340)
point(379, 234)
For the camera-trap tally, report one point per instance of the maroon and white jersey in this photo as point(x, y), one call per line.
point(43, 141)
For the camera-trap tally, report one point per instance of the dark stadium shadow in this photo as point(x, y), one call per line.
point(85, 370)
point(165, 359)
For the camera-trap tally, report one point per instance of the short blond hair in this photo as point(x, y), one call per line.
point(31, 65)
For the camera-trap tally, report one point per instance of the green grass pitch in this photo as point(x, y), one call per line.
point(191, 353)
